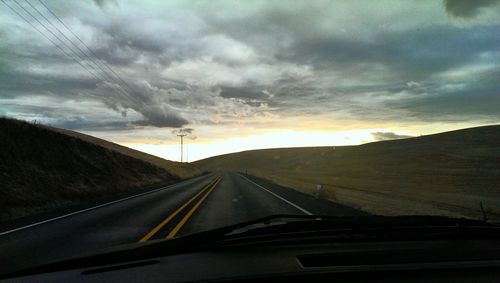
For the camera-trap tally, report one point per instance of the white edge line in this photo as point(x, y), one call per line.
point(281, 198)
point(87, 209)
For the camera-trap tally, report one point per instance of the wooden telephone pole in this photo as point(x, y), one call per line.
point(182, 145)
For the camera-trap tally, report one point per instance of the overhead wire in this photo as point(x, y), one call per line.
point(109, 77)
point(72, 53)
point(51, 32)
point(49, 39)
point(61, 33)
point(84, 44)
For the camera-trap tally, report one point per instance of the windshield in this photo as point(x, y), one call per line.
point(132, 121)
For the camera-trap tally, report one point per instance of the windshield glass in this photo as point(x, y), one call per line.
point(130, 121)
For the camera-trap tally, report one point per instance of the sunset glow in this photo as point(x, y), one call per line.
point(256, 74)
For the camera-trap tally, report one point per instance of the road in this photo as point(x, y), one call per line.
point(202, 203)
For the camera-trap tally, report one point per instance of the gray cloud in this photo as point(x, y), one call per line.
point(79, 124)
point(409, 55)
point(183, 131)
point(104, 3)
point(160, 116)
point(455, 100)
point(465, 8)
point(242, 92)
point(195, 65)
point(384, 136)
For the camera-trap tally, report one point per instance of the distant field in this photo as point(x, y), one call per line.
point(447, 174)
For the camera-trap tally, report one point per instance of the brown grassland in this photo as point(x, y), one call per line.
point(449, 173)
point(42, 168)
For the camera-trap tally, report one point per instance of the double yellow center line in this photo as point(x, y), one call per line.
point(206, 190)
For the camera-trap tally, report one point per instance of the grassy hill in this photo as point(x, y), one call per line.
point(43, 167)
point(448, 173)
point(182, 170)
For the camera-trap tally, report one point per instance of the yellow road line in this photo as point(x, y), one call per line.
point(166, 220)
point(188, 215)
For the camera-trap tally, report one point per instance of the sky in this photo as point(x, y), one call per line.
point(239, 75)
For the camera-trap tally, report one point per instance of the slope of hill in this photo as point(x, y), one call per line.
point(183, 170)
point(42, 168)
point(449, 173)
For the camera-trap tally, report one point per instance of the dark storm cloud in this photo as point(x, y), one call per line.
point(117, 55)
point(183, 131)
point(160, 116)
point(122, 37)
point(170, 121)
point(414, 54)
point(79, 123)
point(456, 100)
point(467, 8)
point(384, 136)
point(186, 64)
point(116, 44)
point(242, 92)
point(104, 3)
point(14, 84)
point(62, 77)
point(382, 66)
point(140, 100)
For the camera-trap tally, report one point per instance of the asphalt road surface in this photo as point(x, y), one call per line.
point(194, 205)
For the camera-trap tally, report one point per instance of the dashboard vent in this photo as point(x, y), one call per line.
point(383, 257)
point(118, 267)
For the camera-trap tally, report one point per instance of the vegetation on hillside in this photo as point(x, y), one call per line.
point(42, 168)
point(450, 173)
point(182, 170)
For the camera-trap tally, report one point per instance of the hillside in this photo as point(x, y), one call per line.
point(42, 168)
point(448, 173)
point(183, 170)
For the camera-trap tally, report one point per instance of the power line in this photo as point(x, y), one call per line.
point(90, 71)
point(85, 45)
point(115, 84)
point(72, 43)
point(59, 31)
point(54, 35)
point(49, 39)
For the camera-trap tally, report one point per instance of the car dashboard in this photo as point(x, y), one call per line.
point(372, 261)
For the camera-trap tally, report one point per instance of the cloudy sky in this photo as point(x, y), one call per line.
point(238, 75)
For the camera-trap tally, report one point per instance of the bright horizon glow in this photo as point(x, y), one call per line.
point(194, 150)
point(200, 149)
point(403, 70)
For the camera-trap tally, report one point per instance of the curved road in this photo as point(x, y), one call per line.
point(194, 205)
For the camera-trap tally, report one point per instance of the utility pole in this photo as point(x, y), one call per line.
point(182, 144)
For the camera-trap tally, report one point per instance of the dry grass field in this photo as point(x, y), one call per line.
point(445, 174)
point(43, 168)
point(182, 170)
